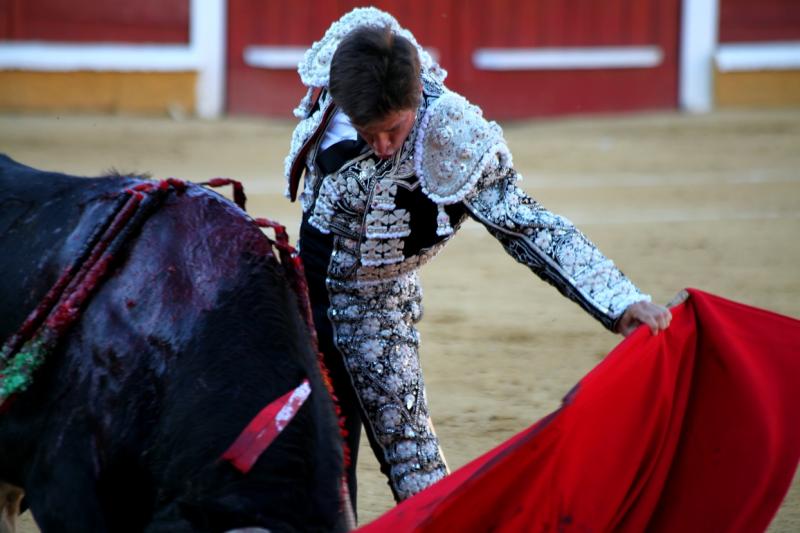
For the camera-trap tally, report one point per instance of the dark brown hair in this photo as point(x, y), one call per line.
point(374, 72)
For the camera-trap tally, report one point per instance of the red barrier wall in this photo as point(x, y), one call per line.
point(136, 21)
point(456, 29)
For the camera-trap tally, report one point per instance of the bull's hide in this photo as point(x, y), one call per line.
point(194, 332)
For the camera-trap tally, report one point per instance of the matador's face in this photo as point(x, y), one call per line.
point(386, 136)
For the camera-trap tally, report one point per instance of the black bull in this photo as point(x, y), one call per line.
point(194, 331)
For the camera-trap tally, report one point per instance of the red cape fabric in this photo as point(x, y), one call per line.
point(695, 429)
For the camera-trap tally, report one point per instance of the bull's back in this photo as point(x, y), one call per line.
point(195, 331)
point(45, 217)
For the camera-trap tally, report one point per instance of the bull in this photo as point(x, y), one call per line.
point(191, 332)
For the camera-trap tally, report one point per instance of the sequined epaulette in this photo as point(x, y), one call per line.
point(455, 145)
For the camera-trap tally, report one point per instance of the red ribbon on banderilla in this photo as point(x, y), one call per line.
point(265, 428)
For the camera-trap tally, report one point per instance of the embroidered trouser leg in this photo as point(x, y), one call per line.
point(374, 330)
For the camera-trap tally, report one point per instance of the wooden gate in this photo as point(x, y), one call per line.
point(514, 58)
point(118, 21)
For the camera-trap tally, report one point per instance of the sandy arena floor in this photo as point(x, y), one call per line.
point(677, 201)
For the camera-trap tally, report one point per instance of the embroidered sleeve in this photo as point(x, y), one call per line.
point(551, 246)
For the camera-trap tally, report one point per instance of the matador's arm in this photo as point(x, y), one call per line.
point(551, 246)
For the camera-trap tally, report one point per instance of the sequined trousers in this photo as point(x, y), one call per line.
point(374, 329)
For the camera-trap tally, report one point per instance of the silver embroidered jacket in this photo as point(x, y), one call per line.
point(458, 162)
point(389, 217)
